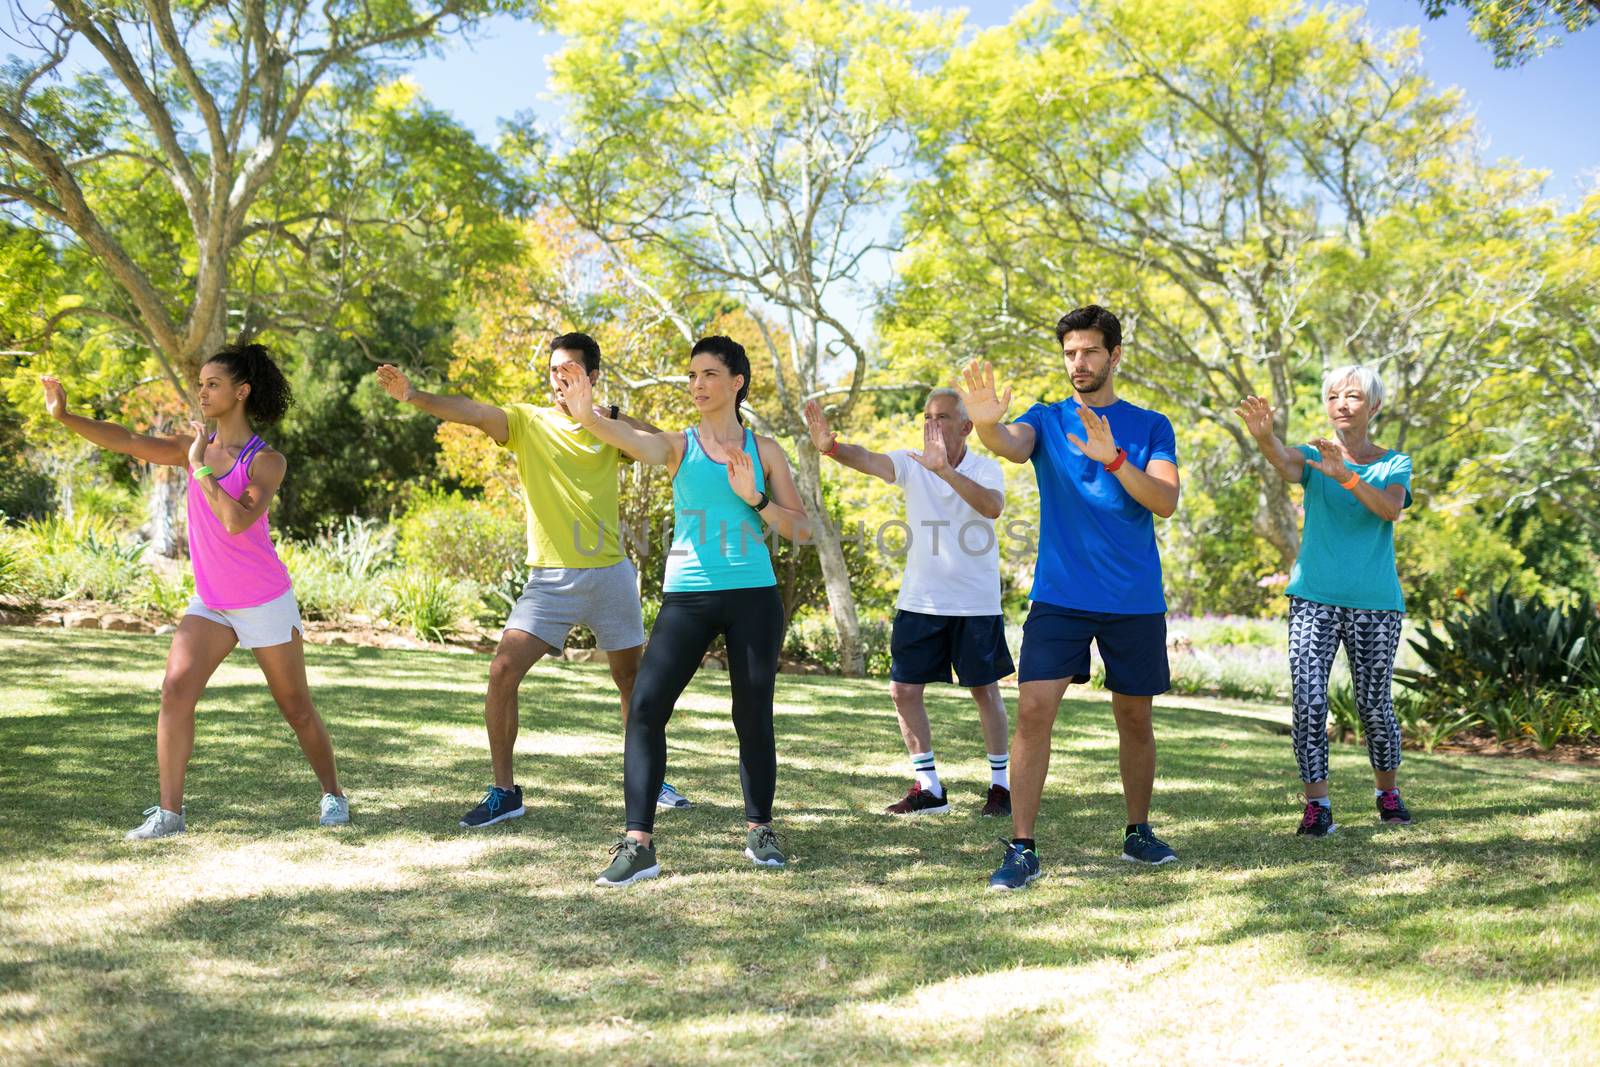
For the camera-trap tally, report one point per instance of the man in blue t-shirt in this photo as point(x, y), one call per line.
point(1104, 468)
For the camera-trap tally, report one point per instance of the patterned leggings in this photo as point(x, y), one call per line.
point(1370, 640)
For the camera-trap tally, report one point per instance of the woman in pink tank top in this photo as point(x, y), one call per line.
point(244, 593)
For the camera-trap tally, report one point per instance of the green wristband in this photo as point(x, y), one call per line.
point(202, 471)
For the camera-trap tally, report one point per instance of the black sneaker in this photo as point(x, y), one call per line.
point(497, 805)
point(1317, 821)
point(1392, 810)
point(998, 801)
point(1142, 846)
point(918, 801)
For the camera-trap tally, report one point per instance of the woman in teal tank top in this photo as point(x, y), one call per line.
point(1344, 588)
point(729, 486)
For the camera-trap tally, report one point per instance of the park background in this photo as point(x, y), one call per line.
point(867, 195)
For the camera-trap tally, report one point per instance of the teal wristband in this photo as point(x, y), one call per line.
point(202, 471)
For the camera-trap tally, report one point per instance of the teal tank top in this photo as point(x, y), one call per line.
point(718, 541)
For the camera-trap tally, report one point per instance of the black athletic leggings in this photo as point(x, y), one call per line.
point(752, 622)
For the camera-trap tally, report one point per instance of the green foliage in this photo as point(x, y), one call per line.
point(813, 638)
point(81, 558)
point(1508, 645)
point(166, 595)
point(444, 534)
point(351, 450)
point(10, 565)
point(1519, 30)
point(429, 605)
point(324, 585)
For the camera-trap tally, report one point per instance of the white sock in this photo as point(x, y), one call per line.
point(1323, 801)
point(927, 777)
point(998, 770)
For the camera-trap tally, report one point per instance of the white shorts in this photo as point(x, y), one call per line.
point(262, 626)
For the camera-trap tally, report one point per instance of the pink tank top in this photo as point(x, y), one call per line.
point(233, 571)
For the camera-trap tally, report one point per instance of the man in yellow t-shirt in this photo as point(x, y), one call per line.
point(577, 571)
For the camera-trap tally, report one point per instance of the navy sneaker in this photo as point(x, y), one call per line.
point(1020, 867)
point(1392, 810)
point(497, 805)
point(1139, 845)
point(1317, 820)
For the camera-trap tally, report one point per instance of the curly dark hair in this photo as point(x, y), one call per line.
point(270, 396)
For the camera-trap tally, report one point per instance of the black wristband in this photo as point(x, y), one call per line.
point(763, 502)
point(614, 411)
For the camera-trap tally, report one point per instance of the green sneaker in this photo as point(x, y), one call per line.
point(761, 848)
point(631, 861)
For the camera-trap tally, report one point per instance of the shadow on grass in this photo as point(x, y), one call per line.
point(495, 947)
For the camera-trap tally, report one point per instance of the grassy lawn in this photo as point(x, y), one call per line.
point(1473, 936)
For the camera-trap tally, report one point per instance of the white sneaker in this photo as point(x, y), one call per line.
point(335, 810)
point(159, 822)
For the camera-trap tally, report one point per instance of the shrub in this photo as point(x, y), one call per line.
point(322, 585)
point(815, 639)
point(429, 605)
point(162, 594)
point(456, 538)
point(1508, 645)
point(83, 557)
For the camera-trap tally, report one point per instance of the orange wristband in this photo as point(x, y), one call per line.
point(1350, 482)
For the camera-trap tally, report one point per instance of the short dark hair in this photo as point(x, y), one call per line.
point(270, 396)
point(581, 343)
point(732, 355)
point(1091, 317)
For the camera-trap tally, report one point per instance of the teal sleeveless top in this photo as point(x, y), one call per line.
point(718, 541)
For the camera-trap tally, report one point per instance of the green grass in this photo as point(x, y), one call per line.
point(1473, 936)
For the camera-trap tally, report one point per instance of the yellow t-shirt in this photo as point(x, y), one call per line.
point(569, 489)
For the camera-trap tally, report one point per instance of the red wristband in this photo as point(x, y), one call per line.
point(1122, 457)
point(831, 451)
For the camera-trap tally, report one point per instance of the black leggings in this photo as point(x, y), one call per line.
point(752, 622)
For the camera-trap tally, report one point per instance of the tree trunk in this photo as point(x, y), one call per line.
point(1276, 519)
point(830, 553)
point(163, 526)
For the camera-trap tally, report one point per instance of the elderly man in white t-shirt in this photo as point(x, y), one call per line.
point(948, 613)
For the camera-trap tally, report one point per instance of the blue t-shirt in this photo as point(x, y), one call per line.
point(1097, 545)
point(1347, 552)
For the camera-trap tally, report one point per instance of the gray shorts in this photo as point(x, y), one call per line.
point(262, 626)
point(605, 599)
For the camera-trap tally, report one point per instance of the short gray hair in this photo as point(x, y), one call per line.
point(947, 391)
point(1364, 376)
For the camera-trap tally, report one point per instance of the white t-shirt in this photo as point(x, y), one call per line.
point(953, 561)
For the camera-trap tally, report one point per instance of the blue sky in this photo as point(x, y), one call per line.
point(1543, 114)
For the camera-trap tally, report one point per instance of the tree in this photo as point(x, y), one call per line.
point(1262, 188)
point(236, 169)
point(208, 99)
point(750, 148)
point(1519, 30)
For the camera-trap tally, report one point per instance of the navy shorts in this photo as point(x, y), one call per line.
point(1055, 644)
point(923, 649)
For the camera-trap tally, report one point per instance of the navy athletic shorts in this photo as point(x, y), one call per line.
point(924, 648)
point(1055, 644)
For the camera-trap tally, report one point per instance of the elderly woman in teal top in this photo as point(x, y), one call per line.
point(1344, 587)
point(728, 485)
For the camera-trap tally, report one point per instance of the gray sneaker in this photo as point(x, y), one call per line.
point(761, 848)
point(159, 822)
point(631, 861)
point(335, 810)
